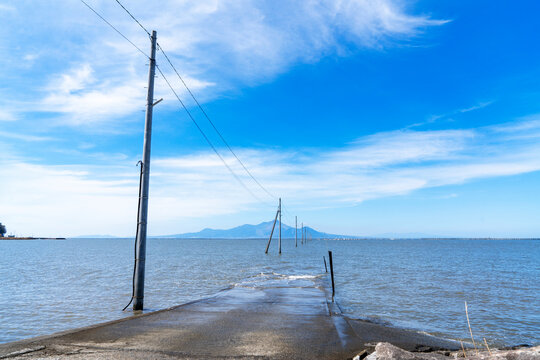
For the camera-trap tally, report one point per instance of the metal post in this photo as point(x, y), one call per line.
point(332, 275)
point(140, 253)
point(325, 267)
point(296, 231)
point(280, 225)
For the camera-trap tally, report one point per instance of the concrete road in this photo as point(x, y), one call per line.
point(287, 319)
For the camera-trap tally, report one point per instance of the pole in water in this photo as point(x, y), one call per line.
point(140, 252)
point(273, 226)
point(296, 231)
point(280, 225)
point(302, 241)
point(325, 267)
point(332, 274)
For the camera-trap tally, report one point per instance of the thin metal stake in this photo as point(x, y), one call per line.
point(332, 274)
point(296, 231)
point(280, 225)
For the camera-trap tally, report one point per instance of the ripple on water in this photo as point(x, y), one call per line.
point(48, 286)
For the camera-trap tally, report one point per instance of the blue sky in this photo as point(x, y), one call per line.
point(366, 117)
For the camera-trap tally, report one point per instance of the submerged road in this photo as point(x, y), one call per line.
point(285, 318)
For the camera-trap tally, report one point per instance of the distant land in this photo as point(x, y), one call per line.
point(30, 238)
point(263, 229)
point(248, 231)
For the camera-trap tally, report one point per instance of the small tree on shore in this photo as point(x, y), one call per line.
point(2, 230)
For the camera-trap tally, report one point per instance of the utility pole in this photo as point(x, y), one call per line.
point(273, 227)
point(296, 231)
point(140, 252)
point(280, 225)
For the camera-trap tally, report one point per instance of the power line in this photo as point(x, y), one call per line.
point(133, 17)
point(114, 28)
point(212, 123)
point(207, 139)
point(198, 104)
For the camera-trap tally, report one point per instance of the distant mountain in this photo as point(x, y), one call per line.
point(247, 231)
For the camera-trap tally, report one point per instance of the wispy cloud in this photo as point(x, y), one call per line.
point(24, 137)
point(476, 107)
point(7, 8)
point(434, 118)
point(198, 186)
point(6, 115)
point(217, 45)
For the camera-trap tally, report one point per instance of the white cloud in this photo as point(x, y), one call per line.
point(30, 57)
point(82, 200)
point(434, 118)
point(251, 41)
point(401, 147)
point(476, 107)
point(216, 45)
point(7, 8)
point(24, 137)
point(6, 115)
point(75, 80)
point(85, 101)
point(51, 200)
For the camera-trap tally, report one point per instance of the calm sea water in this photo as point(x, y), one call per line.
point(48, 286)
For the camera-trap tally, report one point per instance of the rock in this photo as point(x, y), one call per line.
point(386, 351)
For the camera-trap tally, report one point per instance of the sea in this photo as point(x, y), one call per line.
point(48, 286)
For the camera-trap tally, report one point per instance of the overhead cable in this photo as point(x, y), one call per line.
point(213, 125)
point(114, 28)
point(133, 17)
point(198, 104)
point(207, 139)
point(200, 107)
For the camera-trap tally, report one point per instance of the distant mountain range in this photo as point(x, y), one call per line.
point(263, 230)
point(247, 231)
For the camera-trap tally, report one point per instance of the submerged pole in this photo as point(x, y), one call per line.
point(140, 252)
point(296, 231)
point(272, 233)
point(332, 275)
point(280, 225)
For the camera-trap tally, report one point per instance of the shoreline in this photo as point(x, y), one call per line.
point(30, 238)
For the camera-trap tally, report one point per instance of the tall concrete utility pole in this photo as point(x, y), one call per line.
point(140, 252)
point(280, 225)
point(296, 231)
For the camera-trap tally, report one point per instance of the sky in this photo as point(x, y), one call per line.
point(367, 117)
